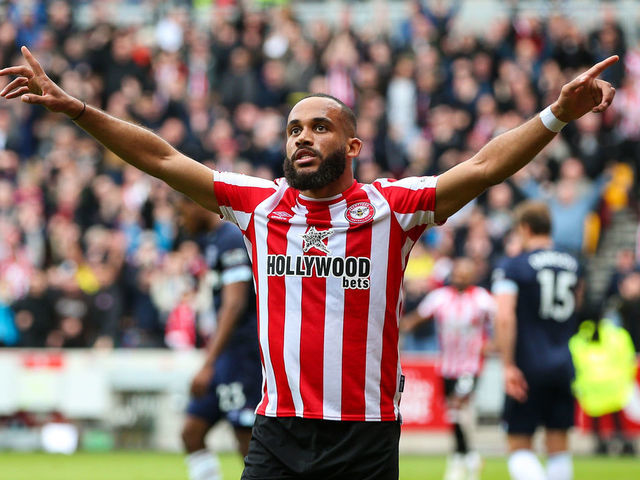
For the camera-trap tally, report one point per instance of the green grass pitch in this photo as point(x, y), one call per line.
point(159, 466)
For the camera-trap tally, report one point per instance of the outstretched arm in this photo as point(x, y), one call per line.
point(509, 152)
point(134, 144)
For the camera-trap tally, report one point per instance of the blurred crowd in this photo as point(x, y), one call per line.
point(91, 250)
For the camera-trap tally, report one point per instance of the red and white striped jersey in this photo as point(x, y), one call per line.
point(328, 276)
point(463, 321)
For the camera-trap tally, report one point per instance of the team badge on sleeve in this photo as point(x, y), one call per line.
point(360, 212)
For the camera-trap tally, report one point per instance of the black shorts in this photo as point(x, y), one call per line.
point(550, 406)
point(460, 387)
point(234, 390)
point(300, 448)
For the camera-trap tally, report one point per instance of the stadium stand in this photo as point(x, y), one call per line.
point(96, 244)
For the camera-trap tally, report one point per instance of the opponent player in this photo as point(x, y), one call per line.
point(537, 293)
point(328, 255)
point(464, 314)
point(228, 386)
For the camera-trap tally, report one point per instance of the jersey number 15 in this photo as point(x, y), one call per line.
point(557, 298)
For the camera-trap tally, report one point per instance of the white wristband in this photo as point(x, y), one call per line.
point(550, 121)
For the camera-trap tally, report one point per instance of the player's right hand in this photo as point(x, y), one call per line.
point(515, 384)
point(33, 85)
point(585, 93)
point(201, 381)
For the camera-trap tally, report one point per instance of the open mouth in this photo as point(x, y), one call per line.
point(304, 156)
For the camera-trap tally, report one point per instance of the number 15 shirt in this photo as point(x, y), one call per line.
point(545, 283)
point(328, 277)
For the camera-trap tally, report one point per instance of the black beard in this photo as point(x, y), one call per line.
point(330, 169)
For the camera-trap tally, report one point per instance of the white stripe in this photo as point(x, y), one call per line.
point(243, 219)
point(412, 183)
point(504, 285)
point(406, 250)
point(420, 217)
point(249, 246)
point(228, 214)
point(377, 303)
point(293, 318)
point(241, 273)
point(241, 180)
point(334, 322)
point(398, 396)
point(260, 226)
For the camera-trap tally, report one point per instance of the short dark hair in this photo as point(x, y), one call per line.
point(347, 112)
point(535, 215)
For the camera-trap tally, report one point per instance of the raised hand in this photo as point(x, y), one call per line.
point(585, 93)
point(33, 85)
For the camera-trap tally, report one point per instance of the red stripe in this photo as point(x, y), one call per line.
point(356, 321)
point(277, 244)
point(314, 294)
point(241, 198)
point(389, 362)
point(250, 234)
point(405, 200)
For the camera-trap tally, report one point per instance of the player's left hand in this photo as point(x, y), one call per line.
point(201, 381)
point(585, 93)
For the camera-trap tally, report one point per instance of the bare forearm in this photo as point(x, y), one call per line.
point(132, 143)
point(505, 338)
point(495, 162)
point(147, 151)
point(228, 315)
point(506, 154)
point(509, 152)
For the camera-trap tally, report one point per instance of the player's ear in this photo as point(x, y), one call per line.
point(353, 147)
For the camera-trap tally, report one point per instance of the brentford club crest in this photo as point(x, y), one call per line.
point(360, 212)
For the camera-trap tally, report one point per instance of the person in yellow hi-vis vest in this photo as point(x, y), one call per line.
point(605, 370)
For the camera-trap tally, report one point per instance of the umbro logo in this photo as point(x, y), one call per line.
point(280, 215)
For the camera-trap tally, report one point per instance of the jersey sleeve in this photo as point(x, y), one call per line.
point(238, 195)
point(427, 307)
point(234, 261)
point(504, 278)
point(412, 199)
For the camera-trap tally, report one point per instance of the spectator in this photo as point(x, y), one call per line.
point(33, 316)
point(219, 91)
point(629, 306)
point(570, 201)
point(239, 84)
point(626, 264)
